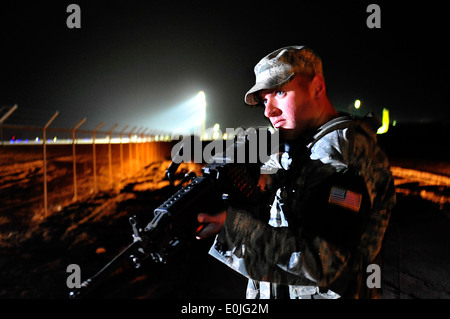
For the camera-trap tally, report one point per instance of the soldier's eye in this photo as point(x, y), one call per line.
point(280, 93)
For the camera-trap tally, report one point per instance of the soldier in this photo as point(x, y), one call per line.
point(321, 217)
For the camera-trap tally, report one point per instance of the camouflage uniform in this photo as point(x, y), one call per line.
point(320, 220)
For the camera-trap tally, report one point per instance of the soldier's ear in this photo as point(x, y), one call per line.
point(317, 87)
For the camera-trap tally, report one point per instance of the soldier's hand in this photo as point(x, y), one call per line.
point(212, 224)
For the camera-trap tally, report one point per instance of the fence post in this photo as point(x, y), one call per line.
point(109, 155)
point(147, 149)
point(151, 146)
point(136, 150)
point(3, 119)
point(143, 147)
point(129, 148)
point(121, 152)
point(45, 161)
point(75, 193)
point(94, 156)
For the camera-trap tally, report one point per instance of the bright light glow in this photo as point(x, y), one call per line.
point(385, 122)
point(201, 104)
point(357, 104)
point(201, 98)
point(216, 133)
point(186, 118)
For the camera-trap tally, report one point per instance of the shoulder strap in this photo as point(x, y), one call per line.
point(369, 123)
point(337, 123)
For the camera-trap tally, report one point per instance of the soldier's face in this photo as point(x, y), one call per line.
point(290, 108)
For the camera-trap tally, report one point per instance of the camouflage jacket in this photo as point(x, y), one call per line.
point(319, 220)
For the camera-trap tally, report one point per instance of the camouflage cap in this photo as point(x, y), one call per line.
point(280, 66)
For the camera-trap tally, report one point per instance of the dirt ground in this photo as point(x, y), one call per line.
point(35, 252)
point(35, 258)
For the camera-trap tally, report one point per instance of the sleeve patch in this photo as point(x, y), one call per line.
point(345, 198)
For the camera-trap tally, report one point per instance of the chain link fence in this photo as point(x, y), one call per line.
point(43, 168)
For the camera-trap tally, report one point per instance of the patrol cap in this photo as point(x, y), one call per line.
point(280, 66)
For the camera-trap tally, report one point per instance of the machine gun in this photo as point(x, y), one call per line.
point(230, 177)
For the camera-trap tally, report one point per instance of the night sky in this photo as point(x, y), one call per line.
point(133, 60)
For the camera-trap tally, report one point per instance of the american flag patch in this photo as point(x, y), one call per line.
point(345, 198)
